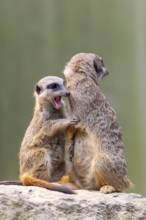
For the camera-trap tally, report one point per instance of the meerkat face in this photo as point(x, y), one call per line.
point(49, 90)
point(87, 65)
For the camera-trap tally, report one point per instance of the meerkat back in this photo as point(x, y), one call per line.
point(98, 159)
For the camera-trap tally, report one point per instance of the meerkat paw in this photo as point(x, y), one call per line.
point(107, 189)
point(74, 119)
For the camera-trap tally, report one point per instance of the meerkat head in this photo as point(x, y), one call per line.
point(87, 65)
point(49, 90)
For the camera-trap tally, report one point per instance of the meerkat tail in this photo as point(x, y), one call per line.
point(28, 180)
point(11, 182)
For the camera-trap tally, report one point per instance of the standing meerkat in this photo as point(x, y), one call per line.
point(96, 158)
point(42, 151)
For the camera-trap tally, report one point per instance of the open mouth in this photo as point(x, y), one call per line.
point(57, 102)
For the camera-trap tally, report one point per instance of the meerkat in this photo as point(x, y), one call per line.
point(95, 150)
point(41, 154)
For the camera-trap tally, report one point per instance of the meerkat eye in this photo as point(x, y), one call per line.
point(97, 67)
point(38, 89)
point(53, 86)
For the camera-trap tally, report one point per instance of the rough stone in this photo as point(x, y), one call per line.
point(34, 203)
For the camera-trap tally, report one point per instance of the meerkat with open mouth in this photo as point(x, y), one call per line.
point(42, 151)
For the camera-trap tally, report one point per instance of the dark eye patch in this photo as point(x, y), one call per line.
point(53, 86)
point(98, 68)
point(38, 89)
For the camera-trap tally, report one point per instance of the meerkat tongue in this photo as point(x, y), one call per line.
point(57, 102)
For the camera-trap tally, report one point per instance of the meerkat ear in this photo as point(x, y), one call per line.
point(37, 89)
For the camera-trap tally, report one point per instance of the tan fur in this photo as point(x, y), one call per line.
point(42, 150)
point(98, 160)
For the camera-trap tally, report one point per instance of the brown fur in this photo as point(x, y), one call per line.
point(42, 150)
point(98, 160)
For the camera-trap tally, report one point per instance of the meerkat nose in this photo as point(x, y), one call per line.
point(105, 70)
point(67, 93)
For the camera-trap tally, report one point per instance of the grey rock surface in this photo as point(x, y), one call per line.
point(34, 203)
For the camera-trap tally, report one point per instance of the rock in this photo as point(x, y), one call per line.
point(34, 203)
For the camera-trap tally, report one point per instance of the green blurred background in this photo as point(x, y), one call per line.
point(37, 38)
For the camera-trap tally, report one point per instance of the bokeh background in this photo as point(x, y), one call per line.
point(37, 38)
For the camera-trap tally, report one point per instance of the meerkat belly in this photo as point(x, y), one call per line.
point(83, 160)
point(56, 151)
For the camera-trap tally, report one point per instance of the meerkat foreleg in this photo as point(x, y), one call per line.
point(51, 130)
point(62, 124)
